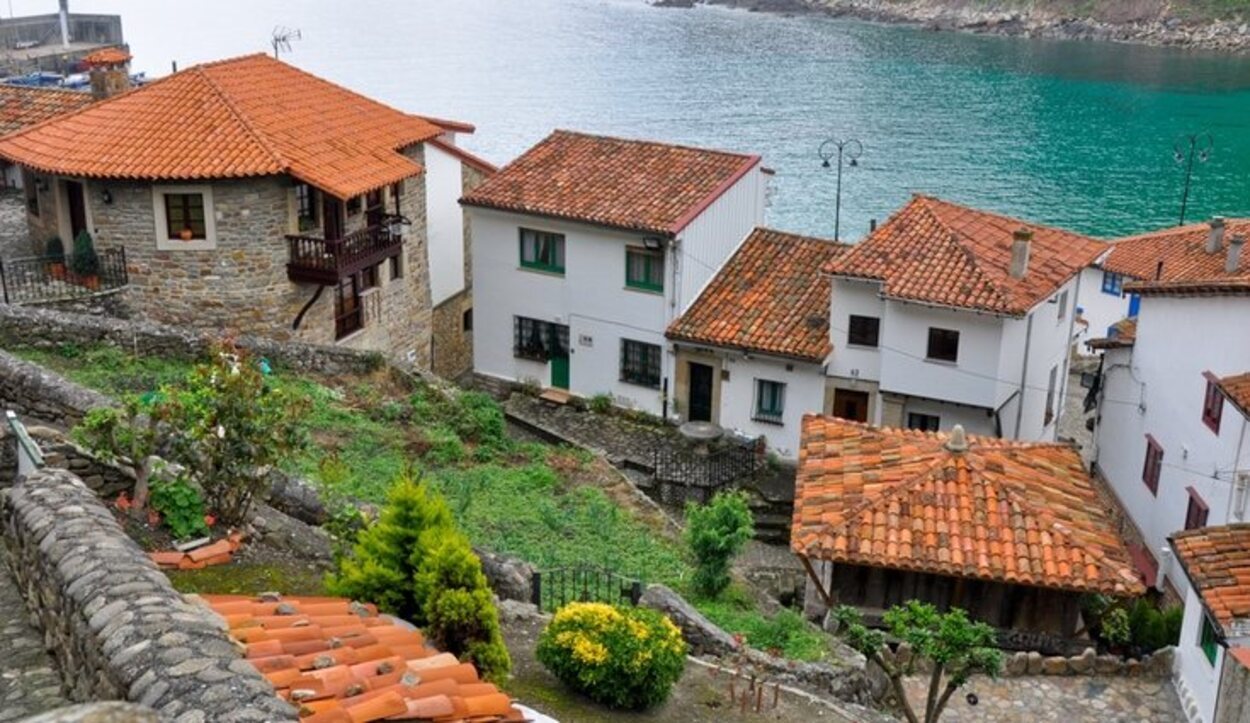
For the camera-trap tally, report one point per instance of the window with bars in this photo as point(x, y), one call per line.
point(1112, 283)
point(1212, 403)
point(644, 269)
point(863, 330)
point(538, 340)
point(923, 422)
point(640, 363)
point(1197, 511)
point(1153, 465)
point(1207, 639)
point(943, 345)
point(306, 204)
point(542, 251)
point(184, 216)
point(770, 401)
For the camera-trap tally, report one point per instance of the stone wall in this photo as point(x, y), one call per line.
point(453, 343)
point(114, 303)
point(118, 629)
point(36, 393)
point(1233, 704)
point(49, 329)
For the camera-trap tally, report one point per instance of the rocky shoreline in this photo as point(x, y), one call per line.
point(1147, 23)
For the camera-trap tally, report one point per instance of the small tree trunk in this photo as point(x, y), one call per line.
point(895, 676)
point(941, 704)
point(143, 473)
point(935, 682)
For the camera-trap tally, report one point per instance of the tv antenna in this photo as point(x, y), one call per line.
point(281, 39)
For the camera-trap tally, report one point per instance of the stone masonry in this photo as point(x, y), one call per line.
point(453, 342)
point(117, 628)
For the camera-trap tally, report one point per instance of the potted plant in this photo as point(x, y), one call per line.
point(186, 234)
point(86, 264)
point(56, 257)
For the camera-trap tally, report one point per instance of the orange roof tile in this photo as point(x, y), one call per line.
point(248, 116)
point(107, 56)
point(303, 647)
point(937, 252)
point(1175, 260)
point(770, 297)
point(635, 185)
point(1217, 562)
point(22, 107)
point(1123, 335)
point(1014, 512)
point(1236, 389)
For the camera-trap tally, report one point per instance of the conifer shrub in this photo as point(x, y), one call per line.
point(85, 261)
point(715, 534)
point(626, 658)
point(459, 610)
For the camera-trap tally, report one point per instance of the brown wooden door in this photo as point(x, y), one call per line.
point(332, 217)
point(373, 208)
point(851, 405)
point(77, 209)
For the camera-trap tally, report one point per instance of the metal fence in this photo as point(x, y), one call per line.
point(48, 278)
point(555, 588)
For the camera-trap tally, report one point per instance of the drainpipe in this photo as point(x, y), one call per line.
point(1024, 373)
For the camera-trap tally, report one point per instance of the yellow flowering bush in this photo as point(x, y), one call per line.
point(619, 656)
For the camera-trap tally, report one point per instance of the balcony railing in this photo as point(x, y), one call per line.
point(46, 278)
point(322, 261)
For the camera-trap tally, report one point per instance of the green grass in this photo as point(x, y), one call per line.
point(248, 579)
point(786, 632)
point(107, 369)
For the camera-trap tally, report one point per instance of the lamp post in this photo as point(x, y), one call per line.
point(1184, 151)
point(851, 150)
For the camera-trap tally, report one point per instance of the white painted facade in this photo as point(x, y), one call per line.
point(1197, 677)
point(993, 387)
point(444, 223)
point(1157, 387)
point(591, 296)
point(1100, 308)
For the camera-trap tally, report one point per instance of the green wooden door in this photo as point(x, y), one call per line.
point(560, 372)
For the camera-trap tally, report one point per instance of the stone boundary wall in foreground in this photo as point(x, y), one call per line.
point(38, 393)
point(117, 628)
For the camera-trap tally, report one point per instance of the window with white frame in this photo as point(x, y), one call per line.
point(184, 218)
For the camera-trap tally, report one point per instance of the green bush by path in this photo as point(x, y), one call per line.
point(715, 534)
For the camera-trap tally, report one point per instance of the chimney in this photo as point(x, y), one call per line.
point(64, 13)
point(1233, 262)
point(109, 72)
point(958, 441)
point(1021, 239)
point(1215, 238)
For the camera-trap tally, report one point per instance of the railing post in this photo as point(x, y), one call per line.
point(635, 592)
point(4, 283)
point(536, 589)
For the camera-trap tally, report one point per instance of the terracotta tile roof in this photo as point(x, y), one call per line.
point(476, 161)
point(107, 56)
point(338, 660)
point(22, 107)
point(636, 185)
point(1191, 287)
point(1217, 561)
point(1236, 389)
point(1014, 512)
point(770, 296)
point(1123, 335)
point(248, 116)
point(1182, 252)
point(937, 252)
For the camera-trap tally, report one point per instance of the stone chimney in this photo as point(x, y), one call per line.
point(1215, 238)
point(1021, 239)
point(1233, 262)
point(958, 441)
point(109, 71)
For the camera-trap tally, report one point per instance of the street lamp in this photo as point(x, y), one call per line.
point(851, 149)
point(1199, 146)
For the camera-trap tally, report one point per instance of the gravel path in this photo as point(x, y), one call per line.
point(29, 683)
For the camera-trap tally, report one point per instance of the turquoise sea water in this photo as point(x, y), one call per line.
point(1075, 134)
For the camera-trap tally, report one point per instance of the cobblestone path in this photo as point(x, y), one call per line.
point(1075, 699)
point(29, 683)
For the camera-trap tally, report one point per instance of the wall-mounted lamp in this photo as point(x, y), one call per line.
point(107, 197)
point(653, 243)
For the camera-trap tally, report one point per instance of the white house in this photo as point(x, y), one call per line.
point(750, 351)
point(585, 248)
point(1172, 437)
point(1214, 648)
point(949, 315)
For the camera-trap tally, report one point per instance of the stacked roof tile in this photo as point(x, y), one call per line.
point(770, 297)
point(22, 107)
point(339, 661)
point(936, 252)
point(1123, 335)
point(1175, 261)
point(1236, 389)
point(1217, 561)
point(635, 185)
point(248, 116)
point(1012, 512)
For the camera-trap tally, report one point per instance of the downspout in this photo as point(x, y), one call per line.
point(1024, 374)
point(1067, 352)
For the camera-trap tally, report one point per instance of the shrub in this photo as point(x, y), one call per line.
point(1151, 628)
point(621, 657)
point(1115, 627)
point(55, 249)
point(476, 417)
point(601, 403)
point(181, 507)
point(460, 613)
point(85, 261)
point(446, 449)
point(715, 534)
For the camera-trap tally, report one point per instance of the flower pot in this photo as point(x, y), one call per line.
point(186, 234)
point(57, 270)
point(92, 282)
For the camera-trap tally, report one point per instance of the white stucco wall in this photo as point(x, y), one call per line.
point(855, 298)
point(444, 223)
point(1196, 673)
point(905, 370)
point(805, 385)
point(1048, 349)
point(1101, 309)
point(975, 420)
point(712, 237)
point(1158, 388)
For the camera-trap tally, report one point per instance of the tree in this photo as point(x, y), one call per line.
point(85, 262)
point(957, 647)
point(460, 614)
point(715, 534)
point(128, 434)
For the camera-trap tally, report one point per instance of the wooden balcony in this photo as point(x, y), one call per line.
point(322, 261)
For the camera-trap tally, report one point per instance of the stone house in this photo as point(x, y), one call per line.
point(1012, 532)
point(252, 196)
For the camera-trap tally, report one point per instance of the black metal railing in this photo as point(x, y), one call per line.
point(552, 589)
point(711, 470)
point(48, 278)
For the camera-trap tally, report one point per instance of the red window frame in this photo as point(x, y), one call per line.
point(1197, 511)
point(1212, 403)
point(1153, 466)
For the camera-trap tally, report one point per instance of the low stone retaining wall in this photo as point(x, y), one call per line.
point(112, 303)
point(117, 628)
point(49, 328)
point(36, 393)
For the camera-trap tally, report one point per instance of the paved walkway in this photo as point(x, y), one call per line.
point(1075, 699)
point(29, 683)
point(620, 438)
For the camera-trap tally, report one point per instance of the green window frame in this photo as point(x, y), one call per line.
point(644, 269)
point(770, 401)
point(542, 251)
point(1207, 640)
